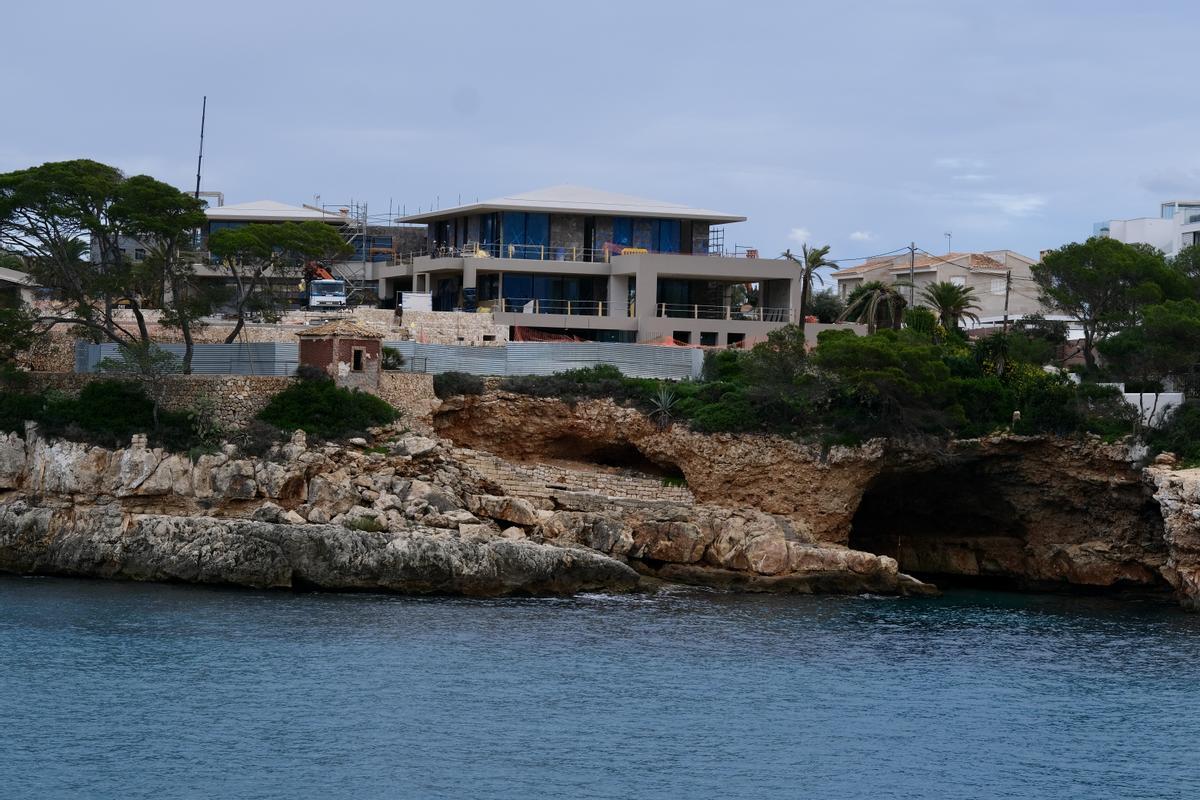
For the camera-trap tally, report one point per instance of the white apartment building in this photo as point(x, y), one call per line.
point(1177, 226)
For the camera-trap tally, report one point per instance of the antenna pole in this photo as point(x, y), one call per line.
point(200, 160)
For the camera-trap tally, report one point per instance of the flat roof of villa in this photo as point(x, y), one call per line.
point(580, 200)
point(271, 211)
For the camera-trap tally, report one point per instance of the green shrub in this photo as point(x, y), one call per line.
point(602, 380)
point(1179, 434)
point(257, 438)
point(322, 408)
point(16, 408)
point(106, 413)
point(453, 384)
point(722, 365)
point(392, 359)
point(366, 523)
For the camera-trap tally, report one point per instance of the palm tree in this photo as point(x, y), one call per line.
point(951, 302)
point(811, 259)
point(875, 303)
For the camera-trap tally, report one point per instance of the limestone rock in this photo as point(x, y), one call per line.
point(513, 510)
point(107, 543)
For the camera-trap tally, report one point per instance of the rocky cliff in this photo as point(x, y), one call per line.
point(1178, 494)
point(1026, 512)
point(403, 516)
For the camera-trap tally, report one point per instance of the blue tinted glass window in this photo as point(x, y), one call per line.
point(518, 288)
point(622, 231)
point(643, 233)
point(667, 236)
point(514, 227)
point(487, 229)
point(537, 229)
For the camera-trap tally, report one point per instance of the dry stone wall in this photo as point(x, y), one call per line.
point(238, 398)
point(453, 327)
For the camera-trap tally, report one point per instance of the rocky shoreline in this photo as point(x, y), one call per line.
point(408, 513)
point(408, 519)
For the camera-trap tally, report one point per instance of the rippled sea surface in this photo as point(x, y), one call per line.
point(112, 690)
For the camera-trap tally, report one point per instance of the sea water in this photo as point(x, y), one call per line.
point(123, 690)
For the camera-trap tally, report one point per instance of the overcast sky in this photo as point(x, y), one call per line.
point(863, 125)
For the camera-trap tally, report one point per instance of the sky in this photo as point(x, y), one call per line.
point(861, 125)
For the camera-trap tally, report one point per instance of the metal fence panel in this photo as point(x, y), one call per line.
point(515, 358)
point(241, 358)
point(542, 358)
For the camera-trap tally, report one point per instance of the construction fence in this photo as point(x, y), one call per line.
point(514, 358)
point(242, 358)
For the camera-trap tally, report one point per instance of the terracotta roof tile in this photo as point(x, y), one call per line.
point(344, 328)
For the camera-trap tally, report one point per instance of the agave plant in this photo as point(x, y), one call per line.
point(662, 408)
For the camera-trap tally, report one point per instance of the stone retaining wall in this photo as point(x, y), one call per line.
point(412, 393)
point(453, 327)
point(539, 481)
point(238, 398)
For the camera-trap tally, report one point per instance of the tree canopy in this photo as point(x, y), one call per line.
point(1103, 283)
point(253, 253)
point(56, 213)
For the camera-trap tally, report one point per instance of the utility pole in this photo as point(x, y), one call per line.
point(1007, 289)
point(912, 270)
point(200, 160)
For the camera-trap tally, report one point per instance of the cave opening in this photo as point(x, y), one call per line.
point(986, 524)
point(620, 457)
point(943, 524)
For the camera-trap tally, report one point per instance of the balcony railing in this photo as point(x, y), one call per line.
point(694, 311)
point(545, 252)
point(533, 305)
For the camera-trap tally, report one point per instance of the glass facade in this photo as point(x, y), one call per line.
point(525, 234)
point(655, 235)
point(553, 292)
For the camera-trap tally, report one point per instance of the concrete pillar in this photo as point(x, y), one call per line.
point(794, 299)
point(647, 298)
point(618, 296)
point(469, 273)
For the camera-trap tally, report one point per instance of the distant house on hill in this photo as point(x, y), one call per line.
point(986, 273)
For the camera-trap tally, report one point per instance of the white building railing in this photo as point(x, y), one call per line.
point(696, 311)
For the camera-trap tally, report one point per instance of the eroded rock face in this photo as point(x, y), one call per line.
point(106, 542)
point(1178, 493)
point(769, 473)
point(1033, 512)
point(413, 520)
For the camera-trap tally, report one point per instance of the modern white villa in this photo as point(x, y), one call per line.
point(1177, 226)
point(599, 266)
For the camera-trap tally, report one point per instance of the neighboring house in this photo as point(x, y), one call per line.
point(597, 265)
point(16, 288)
point(1177, 226)
point(986, 273)
point(372, 244)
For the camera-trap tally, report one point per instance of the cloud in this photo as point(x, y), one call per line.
point(1168, 183)
point(1012, 205)
point(971, 176)
point(954, 162)
point(861, 236)
point(800, 235)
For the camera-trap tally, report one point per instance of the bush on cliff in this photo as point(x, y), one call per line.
point(322, 408)
point(452, 384)
point(1180, 434)
point(106, 413)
